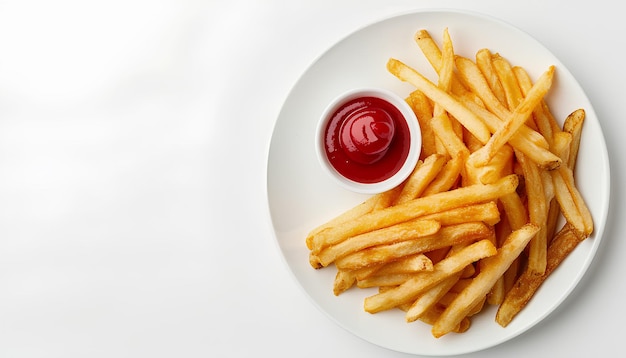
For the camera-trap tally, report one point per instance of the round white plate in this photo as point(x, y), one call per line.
point(301, 196)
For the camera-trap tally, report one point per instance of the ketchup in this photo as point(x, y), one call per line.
point(367, 140)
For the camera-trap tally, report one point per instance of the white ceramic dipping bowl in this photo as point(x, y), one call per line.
point(413, 129)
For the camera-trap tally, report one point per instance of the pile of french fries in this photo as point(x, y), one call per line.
point(476, 222)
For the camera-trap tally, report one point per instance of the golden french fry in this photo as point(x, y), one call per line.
point(432, 314)
point(433, 54)
point(526, 140)
point(472, 77)
point(387, 198)
point(484, 61)
point(446, 68)
point(348, 215)
point(343, 281)
point(538, 214)
point(516, 119)
point(401, 232)
point(430, 298)
point(573, 125)
point(443, 128)
point(409, 264)
point(392, 279)
point(446, 236)
point(423, 174)
point(568, 180)
point(448, 176)
point(525, 287)
point(512, 91)
point(423, 109)
point(466, 117)
point(479, 287)
point(410, 210)
point(499, 166)
point(544, 120)
point(422, 281)
point(486, 212)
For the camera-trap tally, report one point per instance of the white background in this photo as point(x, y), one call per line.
point(133, 147)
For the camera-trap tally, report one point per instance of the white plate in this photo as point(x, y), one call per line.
point(301, 196)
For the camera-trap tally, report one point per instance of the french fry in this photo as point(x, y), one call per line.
point(348, 215)
point(443, 128)
point(390, 280)
point(526, 140)
point(516, 119)
point(423, 109)
point(446, 236)
point(343, 281)
point(467, 118)
point(528, 283)
point(573, 125)
point(486, 212)
point(433, 54)
point(423, 281)
point(484, 61)
point(432, 314)
point(512, 91)
point(409, 264)
point(409, 230)
point(472, 77)
point(422, 175)
point(538, 214)
point(479, 287)
point(448, 176)
point(564, 181)
point(410, 210)
point(544, 120)
point(430, 298)
point(499, 166)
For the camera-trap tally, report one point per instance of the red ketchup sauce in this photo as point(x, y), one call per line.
point(367, 140)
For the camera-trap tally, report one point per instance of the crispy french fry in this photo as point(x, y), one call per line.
point(443, 128)
point(348, 215)
point(538, 214)
point(448, 176)
point(410, 210)
point(409, 264)
point(343, 281)
point(526, 140)
point(412, 288)
point(583, 211)
point(430, 298)
point(484, 61)
point(423, 174)
point(544, 120)
point(573, 125)
point(479, 287)
point(433, 54)
point(423, 109)
point(446, 236)
point(525, 287)
point(499, 166)
point(486, 212)
point(401, 232)
point(516, 119)
point(421, 282)
point(432, 314)
point(472, 77)
point(512, 91)
point(466, 117)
